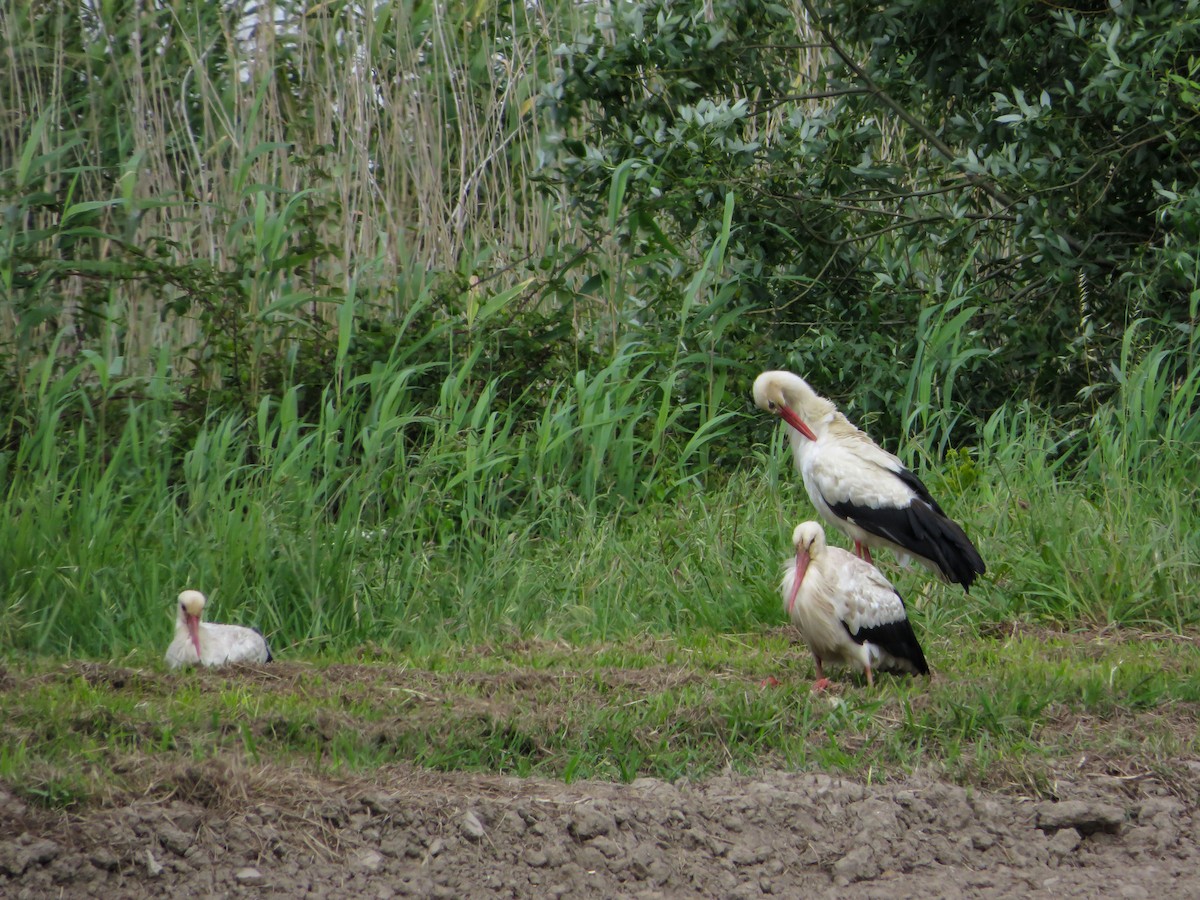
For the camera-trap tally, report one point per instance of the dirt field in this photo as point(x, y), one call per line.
point(226, 827)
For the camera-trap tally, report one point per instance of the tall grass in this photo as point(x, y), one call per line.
point(162, 160)
point(189, 191)
point(385, 518)
point(580, 509)
point(1101, 524)
point(945, 345)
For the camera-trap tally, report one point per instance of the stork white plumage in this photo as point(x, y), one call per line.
point(209, 644)
point(861, 489)
point(846, 610)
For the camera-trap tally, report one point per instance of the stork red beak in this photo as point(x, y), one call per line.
point(193, 627)
point(802, 561)
point(796, 422)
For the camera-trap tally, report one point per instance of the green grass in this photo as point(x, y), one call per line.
point(584, 511)
point(563, 583)
point(1006, 711)
point(573, 577)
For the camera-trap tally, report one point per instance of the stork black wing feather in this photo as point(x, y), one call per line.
point(911, 480)
point(897, 638)
point(924, 530)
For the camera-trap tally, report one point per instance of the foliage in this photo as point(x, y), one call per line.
point(684, 122)
point(1071, 125)
point(999, 186)
point(252, 194)
point(392, 517)
point(293, 326)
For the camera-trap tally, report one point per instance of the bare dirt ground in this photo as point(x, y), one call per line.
point(226, 827)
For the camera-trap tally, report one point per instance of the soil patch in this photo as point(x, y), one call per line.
point(225, 828)
point(231, 826)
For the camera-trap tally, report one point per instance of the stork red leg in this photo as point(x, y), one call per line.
point(863, 551)
point(822, 682)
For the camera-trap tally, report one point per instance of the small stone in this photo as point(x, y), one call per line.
point(153, 866)
point(43, 851)
point(174, 839)
point(436, 846)
point(14, 860)
point(748, 856)
point(1065, 841)
point(607, 846)
point(103, 858)
point(249, 875)
point(512, 822)
point(588, 822)
point(981, 840)
point(186, 820)
point(1085, 816)
point(857, 865)
point(371, 860)
point(379, 803)
point(471, 827)
point(536, 859)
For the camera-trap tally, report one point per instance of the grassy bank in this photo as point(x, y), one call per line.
point(564, 583)
point(588, 510)
point(1006, 710)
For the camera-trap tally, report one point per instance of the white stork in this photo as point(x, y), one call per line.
point(863, 490)
point(846, 610)
point(209, 644)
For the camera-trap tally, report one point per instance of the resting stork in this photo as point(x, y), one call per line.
point(209, 644)
point(846, 610)
point(861, 489)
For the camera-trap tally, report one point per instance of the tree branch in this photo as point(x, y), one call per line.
point(927, 134)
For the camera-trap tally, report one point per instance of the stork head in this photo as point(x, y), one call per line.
point(191, 605)
point(809, 540)
point(790, 398)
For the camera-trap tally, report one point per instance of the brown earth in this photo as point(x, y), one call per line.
point(232, 831)
point(226, 827)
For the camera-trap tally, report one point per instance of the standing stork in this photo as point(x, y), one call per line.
point(861, 489)
point(209, 644)
point(846, 610)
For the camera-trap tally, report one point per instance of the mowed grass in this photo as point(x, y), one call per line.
point(1011, 710)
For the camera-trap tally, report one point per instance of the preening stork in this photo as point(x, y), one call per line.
point(861, 489)
point(846, 610)
point(210, 644)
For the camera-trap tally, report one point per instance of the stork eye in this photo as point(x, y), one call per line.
point(771, 404)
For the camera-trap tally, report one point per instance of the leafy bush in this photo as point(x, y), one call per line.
point(980, 191)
